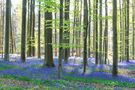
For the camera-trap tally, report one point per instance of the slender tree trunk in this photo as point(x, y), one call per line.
point(56, 34)
point(133, 21)
point(11, 38)
point(96, 31)
point(3, 27)
point(115, 47)
point(127, 32)
point(33, 29)
point(89, 31)
point(60, 40)
point(106, 32)
point(7, 29)
point(74, 27)
point(30, 28)
point(39, 31)
point(85, 27)
point(67, 30)
point(23, 35)
point(121, 31)
point(100, 41)
point(77, 30)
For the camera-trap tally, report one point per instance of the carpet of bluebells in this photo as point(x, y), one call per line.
point(71, 74)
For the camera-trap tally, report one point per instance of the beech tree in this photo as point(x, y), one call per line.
point(85, 27)
point(7, 29)
point(23, 35)
point(115, 45)
point(60, 39)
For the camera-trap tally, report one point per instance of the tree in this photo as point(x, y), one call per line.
point(85, 27)
point(100, 40)
point(89, 31)
point(121, 30)
point(60, 40)
point(29, 30)
point(106, 32)
point(127, 31)
point(67, 30)
point(48, 40)
point(2, 27)
point(23, 35)
point(33, 29)
point(133, 25)
point(115, 47)
point(39, 31)
point(7, 29)
point(56, 50)
point(96, 30)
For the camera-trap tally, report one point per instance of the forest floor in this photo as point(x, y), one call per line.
point(30, 75)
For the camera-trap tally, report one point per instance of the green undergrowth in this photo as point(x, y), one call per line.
point(59, 84)
point(5, 66)
point(132, 67)
point(111, 83)
point(70, 82)
point(48, 84)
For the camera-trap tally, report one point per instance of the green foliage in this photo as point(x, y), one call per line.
point(49, 5)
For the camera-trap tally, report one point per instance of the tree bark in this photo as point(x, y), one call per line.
point(23, 34)
point(115, 47)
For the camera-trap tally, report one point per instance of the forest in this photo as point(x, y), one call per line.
point(67, 44)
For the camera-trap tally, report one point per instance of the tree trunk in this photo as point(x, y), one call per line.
point(96, 31)
point(85, 27)
point(115, 47)
point(106, 32)
point(60, 40)
point(89, 31)
point(39, 31)
point(33, 29)
point(127, 31)
point(67, 31)
point(100, 41)
point(23, 34)
point(48, 40)
point(133, 21)
point(7, 29)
